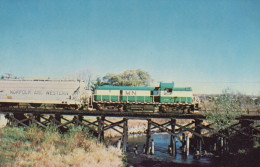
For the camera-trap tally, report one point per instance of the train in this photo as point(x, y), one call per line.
point(73, 94)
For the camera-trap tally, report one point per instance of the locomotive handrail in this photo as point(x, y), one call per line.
point(127, 98)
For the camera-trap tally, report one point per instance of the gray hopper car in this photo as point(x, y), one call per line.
point(62, 93)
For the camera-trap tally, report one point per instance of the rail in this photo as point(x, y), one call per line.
point(145, 115)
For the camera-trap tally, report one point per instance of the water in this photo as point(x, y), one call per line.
point(161, 156)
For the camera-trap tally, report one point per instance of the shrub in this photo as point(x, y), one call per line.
point(224, 110)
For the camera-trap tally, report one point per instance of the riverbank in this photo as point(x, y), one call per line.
point(36, 147)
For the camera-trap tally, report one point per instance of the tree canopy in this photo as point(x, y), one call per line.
point(127, 78)
point(224, 110)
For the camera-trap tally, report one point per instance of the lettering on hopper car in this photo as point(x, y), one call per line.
point(60, 93)
point(17, 92)
point(29, 92)
point(37, 92)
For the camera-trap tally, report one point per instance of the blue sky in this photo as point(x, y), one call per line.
point(209, 45)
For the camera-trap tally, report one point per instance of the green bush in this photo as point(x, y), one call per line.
point(224, 110)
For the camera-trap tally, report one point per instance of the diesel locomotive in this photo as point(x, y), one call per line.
point(73, 94)
point(165, 98)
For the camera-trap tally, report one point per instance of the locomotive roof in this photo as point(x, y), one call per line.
point(109, 87)
point(163, 86)
point(183, 89)
point(42, 80)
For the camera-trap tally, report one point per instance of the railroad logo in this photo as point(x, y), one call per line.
point(130, 93)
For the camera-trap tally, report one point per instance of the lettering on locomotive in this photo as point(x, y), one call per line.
point(130, 93)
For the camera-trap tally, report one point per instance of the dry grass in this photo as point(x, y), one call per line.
point(35, 147)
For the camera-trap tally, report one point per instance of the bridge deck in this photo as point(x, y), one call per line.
point(113, 113)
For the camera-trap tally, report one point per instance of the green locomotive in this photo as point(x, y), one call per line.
point(165, 98)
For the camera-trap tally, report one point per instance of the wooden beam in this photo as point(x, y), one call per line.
point(187, 129)
point(91, 123)
point(173, 139)
point(148, 136)
point(38, 123)
point(125, 134)
point(157, 124)
point(114, 124)
point(64, 124)
point(100, 129)
point(258, 130)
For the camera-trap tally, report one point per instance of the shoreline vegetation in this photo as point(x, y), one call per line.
point(36, 147)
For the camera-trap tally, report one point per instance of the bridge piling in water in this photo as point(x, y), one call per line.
point(125, 134)
point(187, 145)
point(148, 136)
point(198, 124)
point(173, 139)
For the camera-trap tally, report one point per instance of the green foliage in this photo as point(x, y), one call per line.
point(257, 101)
point(9, 76)
point(13, 133)
point(128, 78)
point(98, 82)
point(225, 110)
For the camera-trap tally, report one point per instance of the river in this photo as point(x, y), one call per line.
point(161, 156)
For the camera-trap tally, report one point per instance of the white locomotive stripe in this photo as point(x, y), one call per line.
point(136, 93)
point(125, 93)
point(108, 92)
point(176, 94)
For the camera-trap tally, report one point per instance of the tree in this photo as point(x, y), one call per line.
point(224, 110)
point(10, 76)
point(129, 78)
point(97, 83)
point(85, 75)
point(113, 79)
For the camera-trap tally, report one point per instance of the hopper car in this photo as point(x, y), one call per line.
point(72, 94)
point(59, 93)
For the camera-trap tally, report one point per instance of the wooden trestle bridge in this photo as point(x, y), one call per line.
point(247, 125)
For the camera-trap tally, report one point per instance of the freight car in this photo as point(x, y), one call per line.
point(165, 98)
point(73, 94)
point(59, 93)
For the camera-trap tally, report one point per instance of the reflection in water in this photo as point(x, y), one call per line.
point(161, 156)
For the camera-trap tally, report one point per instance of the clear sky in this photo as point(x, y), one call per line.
point(207, 44)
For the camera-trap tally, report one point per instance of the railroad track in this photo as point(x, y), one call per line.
point(5, 110)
